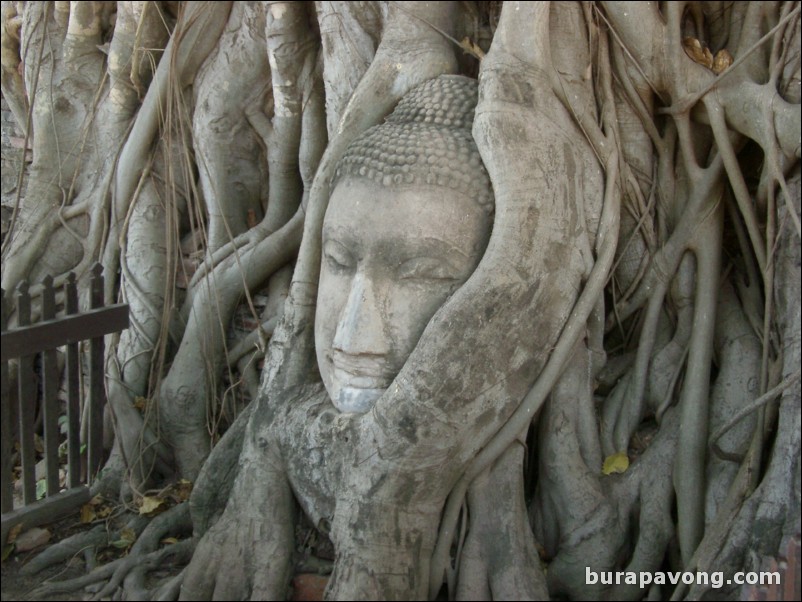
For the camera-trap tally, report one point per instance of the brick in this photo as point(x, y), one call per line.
point(308, 587)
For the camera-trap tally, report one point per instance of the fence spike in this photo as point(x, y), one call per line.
point(23, 304)
point(6, 430)
point(26, 398)
point(96, 286)
point(73, 390)
point(71, 294)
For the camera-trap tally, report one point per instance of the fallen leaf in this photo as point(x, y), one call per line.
point(170, 540)
point(103, 511)
point(722, 61)
point(141, 403)
point(150, 504)
point(88, 514)
point(617, 463)
point(471, 48)
point(127, 539)
point(698, 52)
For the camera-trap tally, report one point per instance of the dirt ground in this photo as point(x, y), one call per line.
point(16, 586)
point(20, 587)
point(308, 583)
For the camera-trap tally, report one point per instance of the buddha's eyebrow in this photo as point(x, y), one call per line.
point(412, 246)
point(338, 233)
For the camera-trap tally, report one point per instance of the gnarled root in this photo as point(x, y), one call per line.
point(69, 547)
point(249, 551)
point(131, 571)
point(499, 560)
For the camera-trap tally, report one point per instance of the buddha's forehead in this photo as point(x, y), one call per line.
point(362, 212)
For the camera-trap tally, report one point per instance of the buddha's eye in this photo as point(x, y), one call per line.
point(426, 269)
point(338, 257)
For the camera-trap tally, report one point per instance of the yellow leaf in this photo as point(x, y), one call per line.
point(103, 512)
point(87, 514)
point(472, 48)
point(616, 463)
point(170, 540)
point(150, 504)
point(698, 52)
point(140, 403)
point(722, 60)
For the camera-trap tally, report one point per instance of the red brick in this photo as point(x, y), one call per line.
point(308, 587)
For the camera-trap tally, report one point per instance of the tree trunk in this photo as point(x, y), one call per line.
point(615, 387)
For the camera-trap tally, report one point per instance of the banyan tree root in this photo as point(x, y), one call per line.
point(145, 555)
point(125, 575)
point(97, 537)
point(498, 559)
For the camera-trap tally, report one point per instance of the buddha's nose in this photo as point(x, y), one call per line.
point(361, 328)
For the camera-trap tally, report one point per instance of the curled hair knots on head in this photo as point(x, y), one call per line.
point(426, 140)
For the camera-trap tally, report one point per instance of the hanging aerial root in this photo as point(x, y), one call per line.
point(622, 417)
point(739, 501)
point(689, 470)
point(758, 403)
point(705, 193)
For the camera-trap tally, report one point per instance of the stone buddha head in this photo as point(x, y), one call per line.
point(408, 220)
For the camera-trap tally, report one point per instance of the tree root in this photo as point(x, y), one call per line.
point(145, 555)
point(66, 549)
point(124, 576)
point(171, 589)
point(71, 546)
point(73, 585)
point(499, 560)
point(134, 584)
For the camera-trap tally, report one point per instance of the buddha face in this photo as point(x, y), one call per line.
point(391, 258)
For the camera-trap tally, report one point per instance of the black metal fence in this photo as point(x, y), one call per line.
point(25, 343)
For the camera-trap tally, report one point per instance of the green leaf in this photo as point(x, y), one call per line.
point(127, 538)
point(41, 489)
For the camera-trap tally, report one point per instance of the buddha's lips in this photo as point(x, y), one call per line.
point(362, 372)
